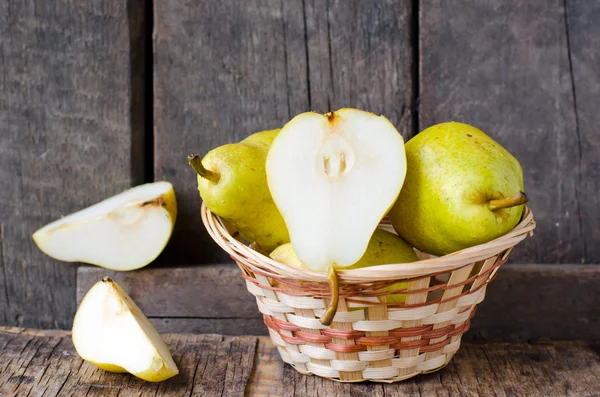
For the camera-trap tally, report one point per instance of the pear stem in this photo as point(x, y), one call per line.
point(518, 199)
point(332, 280)
point(196, 164)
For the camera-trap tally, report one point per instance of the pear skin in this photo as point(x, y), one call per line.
point(111, 368)
point(233, 184)
point(384, 248)
point(462, 189)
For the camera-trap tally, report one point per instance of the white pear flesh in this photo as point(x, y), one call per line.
point(110, 331)
point(124, 232)
point(333, 177)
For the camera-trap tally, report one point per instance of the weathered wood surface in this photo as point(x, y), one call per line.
point(195, 291)
point(73, 79)
point(583, 43)
point(524, 302)
point(68, 138)
point(44, 363)
point(527, 74)
point(225, 69)
point(37, 363)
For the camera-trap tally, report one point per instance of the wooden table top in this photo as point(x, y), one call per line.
point(44, 363)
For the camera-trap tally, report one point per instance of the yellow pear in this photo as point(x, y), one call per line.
point(383, 248)
point(233, 184)
point(462, 189)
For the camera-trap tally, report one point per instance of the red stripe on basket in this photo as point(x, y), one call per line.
point(353, 292)
point(409, 345)
point(435, 346)
point(269, 323)
point(291, 340)
point(377, 340)
point(312, 338)
point(336, 347)
point(460, 330)
point(285, 325)
point(406, 332)
point(343, 333)
point(438, 333)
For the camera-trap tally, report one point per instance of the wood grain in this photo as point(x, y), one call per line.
point(528, 302)
point(360, 55)
point(45, 363)
point(524, 302)
point(65, 138)
point(208, 291)
point(220, 74)
point(226, 69)
point(505, 68)
point(199, 325)
point(583, 39)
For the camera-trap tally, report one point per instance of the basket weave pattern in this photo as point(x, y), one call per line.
point(369, 338)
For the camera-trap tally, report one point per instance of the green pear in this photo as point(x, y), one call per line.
point(233, 184)
point(462, 189)
point(384, 248)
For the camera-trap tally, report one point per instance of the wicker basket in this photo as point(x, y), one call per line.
point(369, 339)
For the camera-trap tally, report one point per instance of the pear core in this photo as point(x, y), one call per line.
point(337, 156)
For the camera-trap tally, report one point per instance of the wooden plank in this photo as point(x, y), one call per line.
point(224, 326)
point(45, 363)
point(582, 39)
point(468, 374)
point(222, 71)
point(504, 67)
point(208, 291)
point(26, 358)
point(525, 302)
point(65, 141)
point(266, 378)
point(360, 55)
point(529, 302)
point(226, 69)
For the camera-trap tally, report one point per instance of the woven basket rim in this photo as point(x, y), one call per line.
point(257, 261)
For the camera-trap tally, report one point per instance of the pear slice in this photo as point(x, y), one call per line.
point(124, 232)
point(110, 331)
point(333, 177)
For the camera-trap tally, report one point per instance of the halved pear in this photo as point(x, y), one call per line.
point(110, 331)
point(333, 177)
point(124, 232)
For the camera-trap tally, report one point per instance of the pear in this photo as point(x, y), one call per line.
point(333, 177)
point(384, 248)
point(462, 189)
point(124, 232)
point(110, 331)
point(233, 185)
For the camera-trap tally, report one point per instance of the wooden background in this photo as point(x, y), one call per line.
point(100, 95)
